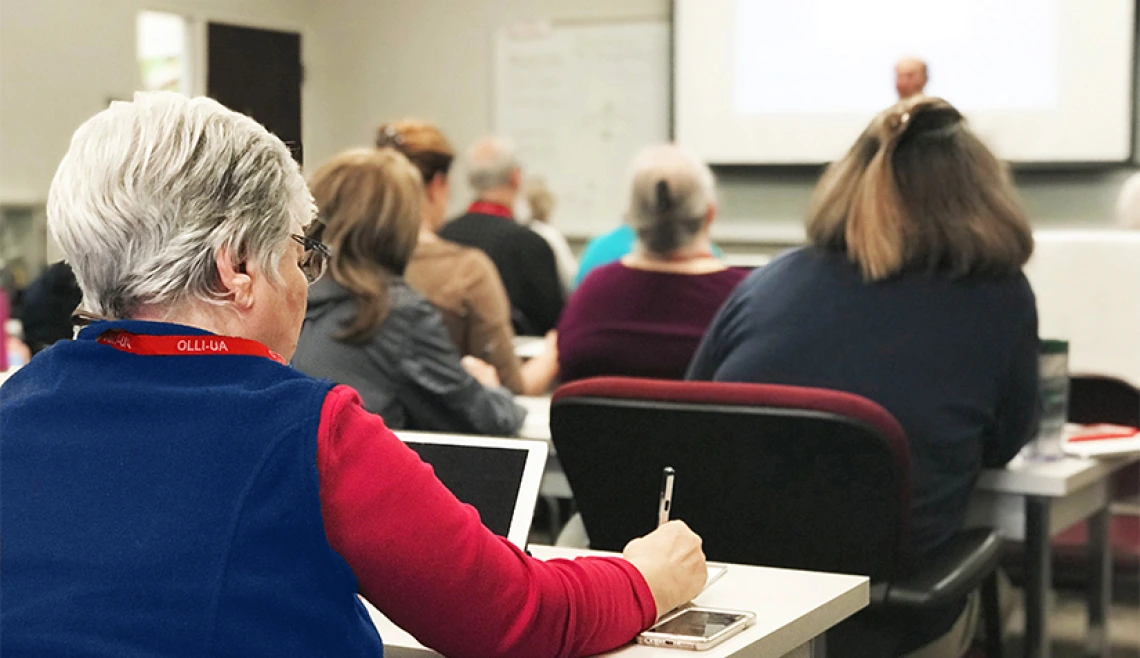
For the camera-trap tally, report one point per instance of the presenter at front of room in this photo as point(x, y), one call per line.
point(910, 77)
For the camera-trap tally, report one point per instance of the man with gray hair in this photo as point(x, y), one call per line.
point(524, 260)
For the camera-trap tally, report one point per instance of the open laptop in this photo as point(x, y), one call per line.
point(498, 477)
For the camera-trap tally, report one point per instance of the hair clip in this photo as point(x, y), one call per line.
point(663, 201)
point(896, 123)
point(389, 136)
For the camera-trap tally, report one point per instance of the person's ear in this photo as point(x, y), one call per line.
point(710, 214)
point(235, 279)
point(516, 178)
point(437, 187)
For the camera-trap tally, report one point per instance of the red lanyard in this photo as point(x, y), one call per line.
point(187, 345)
point(488, 208)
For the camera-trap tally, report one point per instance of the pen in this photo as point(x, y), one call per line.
point(666, 502)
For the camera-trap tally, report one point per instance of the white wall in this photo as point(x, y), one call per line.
point(62, 60)
point(432, 59)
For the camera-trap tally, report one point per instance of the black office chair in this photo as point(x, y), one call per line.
point(770, 475)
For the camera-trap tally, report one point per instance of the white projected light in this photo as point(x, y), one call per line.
point(849, 52)
point(775, 82)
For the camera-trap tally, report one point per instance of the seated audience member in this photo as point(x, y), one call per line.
point(1128, 203)
point(525, 262)
point(541, 202)
point(645, 315)
point(49, 303)
point(217, 501)
point(604, 249)
point(366, 328)
point(910, 294)
point(13, 352)
point(462, 282)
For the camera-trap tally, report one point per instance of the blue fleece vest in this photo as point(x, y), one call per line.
point(167, 505)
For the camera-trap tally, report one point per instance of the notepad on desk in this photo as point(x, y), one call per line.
point(1101, 440)
point(715, 572)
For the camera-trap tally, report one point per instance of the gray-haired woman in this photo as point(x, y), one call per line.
point(645, 315)
point(172, 487)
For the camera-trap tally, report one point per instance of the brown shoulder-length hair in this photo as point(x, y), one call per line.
point(369, 203)
point(421, 142)
point(919, 191)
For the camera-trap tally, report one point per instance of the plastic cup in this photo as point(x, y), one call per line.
point(1048, 444)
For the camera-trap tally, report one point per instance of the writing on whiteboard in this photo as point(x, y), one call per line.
point(580, 101)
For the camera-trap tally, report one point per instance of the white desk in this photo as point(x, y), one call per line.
point(537, 423)
point(528, 347)
point(537, 426)
point(554, 483)
point(793, 610)
point(1031, 501)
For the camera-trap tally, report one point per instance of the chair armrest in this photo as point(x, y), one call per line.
point(951, 574)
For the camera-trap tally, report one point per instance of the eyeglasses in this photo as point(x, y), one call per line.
point(316, 259)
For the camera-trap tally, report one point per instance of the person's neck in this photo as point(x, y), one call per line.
point(431, 220)
point(693, 258)
point(503, 196)
point(215, 321)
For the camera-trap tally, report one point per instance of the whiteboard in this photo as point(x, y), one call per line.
point(580, 101)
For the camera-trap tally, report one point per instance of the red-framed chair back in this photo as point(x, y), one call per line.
point(774, 475)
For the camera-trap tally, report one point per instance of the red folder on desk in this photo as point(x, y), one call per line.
point(1101, 440)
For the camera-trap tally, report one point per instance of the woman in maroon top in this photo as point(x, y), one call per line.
point(645, 315)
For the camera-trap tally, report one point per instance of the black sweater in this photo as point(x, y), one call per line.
point(525, 263)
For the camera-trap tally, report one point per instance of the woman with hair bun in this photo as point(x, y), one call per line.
point(645, 314)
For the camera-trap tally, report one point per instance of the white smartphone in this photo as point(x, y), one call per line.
point(696, 628)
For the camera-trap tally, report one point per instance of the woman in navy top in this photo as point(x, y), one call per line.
point(645, 315)
point(911, 294)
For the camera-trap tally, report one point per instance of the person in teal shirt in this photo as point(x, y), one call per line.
point(609, 247)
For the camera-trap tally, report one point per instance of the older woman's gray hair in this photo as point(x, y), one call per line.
point(672, 194)
point(1128, 203)
point(491, 162)
point(150, 191)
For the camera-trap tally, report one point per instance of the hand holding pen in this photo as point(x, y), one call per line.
point(670, 558)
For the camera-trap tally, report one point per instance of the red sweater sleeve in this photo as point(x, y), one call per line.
point(426, 561)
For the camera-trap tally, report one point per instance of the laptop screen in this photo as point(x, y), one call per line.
point(500, 478)
point(488, 479)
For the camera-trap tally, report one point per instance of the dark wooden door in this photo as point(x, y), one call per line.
point(258, 72)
